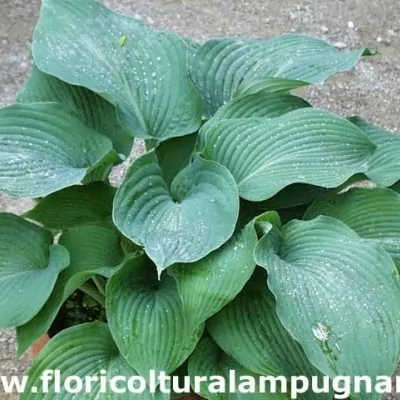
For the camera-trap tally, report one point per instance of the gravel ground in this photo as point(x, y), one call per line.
point(372, 90)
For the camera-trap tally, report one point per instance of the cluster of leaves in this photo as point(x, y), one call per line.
point(234, 242)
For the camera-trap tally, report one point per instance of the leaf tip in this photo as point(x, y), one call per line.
point(370, 53)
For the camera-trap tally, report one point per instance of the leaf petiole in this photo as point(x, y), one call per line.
point(93, 293)
point(100, 284)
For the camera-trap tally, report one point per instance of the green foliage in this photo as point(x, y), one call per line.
point(234, 242)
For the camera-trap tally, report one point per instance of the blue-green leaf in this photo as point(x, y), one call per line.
point(373, 213)
point(212, 282)
point(210, 361)
point(181, 224)
point(93, 110)
point(83, 351)
point(304, 146)
point(384, 167)
point(249, 330)
point(221, 67)
point(144, 74)
point(338, 296)
point(29, 266)
point(74, 206)
point(260, 105)
point(147, 318)
point(92, 249)
point(43, 148)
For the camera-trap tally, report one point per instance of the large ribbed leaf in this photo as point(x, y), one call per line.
point(373, 213)
point(93, 110)
point(147, 318)
point(269, 84)
point(384, 164)
point(210, 361)
point(29, 267)
point(209, 284)
point(220, 67)
point(304, 146)
point(337, 295)
point(74, 206)
point(183, 224)
point(261, 105)
point(92, 248)
point(251, 319)
point(83, 351)
point(43, 148)
point(143, 72)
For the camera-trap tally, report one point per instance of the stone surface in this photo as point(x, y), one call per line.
point(372, 90)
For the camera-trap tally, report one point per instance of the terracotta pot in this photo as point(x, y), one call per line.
point(38, 346)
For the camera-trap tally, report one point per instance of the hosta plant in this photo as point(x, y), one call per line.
point(245, 238)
